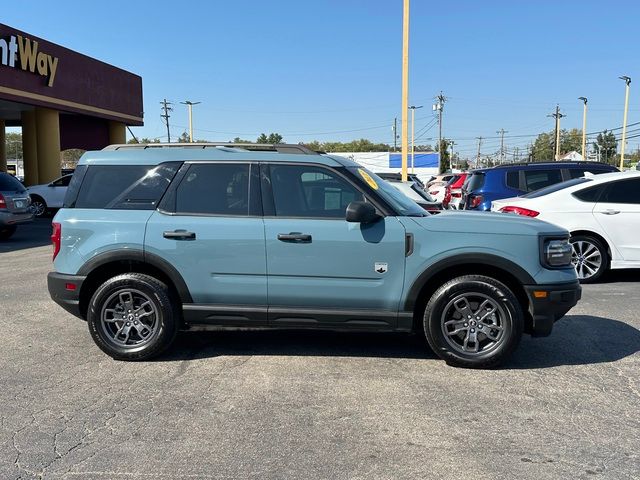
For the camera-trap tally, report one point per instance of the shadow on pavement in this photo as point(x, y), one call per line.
point(628, 275)
point(576, 340)
point(204, 344)
point(30, 235)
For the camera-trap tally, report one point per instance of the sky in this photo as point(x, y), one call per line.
point(330, 70)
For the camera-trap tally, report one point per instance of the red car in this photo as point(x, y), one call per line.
point(453, 191)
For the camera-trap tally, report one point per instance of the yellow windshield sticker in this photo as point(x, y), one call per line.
point(367, 178)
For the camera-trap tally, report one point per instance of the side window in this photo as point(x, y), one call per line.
point(576, 172)
point(62, 182)
point(214, 189)
point(513, 179)
point(537, 179)
point(624, 191)
point(590, 194)
point(137, 187)
point(310, 191)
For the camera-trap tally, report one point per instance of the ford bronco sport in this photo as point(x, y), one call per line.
point(157, 238)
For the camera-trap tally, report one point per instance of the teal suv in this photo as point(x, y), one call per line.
point(154, 239)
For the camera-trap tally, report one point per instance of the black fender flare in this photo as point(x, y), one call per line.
point(141, 257)
point(461, 259)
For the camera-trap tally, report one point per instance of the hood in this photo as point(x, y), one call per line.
point(465, 221)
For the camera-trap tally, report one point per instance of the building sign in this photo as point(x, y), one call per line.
point(34, 71)
point(22, 52)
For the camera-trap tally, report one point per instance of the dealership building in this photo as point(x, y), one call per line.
point(61, 99)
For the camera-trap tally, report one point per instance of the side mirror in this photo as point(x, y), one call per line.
point(361, 212)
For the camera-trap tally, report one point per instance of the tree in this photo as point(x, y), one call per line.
point(240, 140)
point(14, 146)
point(361, 145)
point(607, 144)
point(184, 138)
point(273, 138)
point(69, 158)
point(143, 140)
point(444, 155)
point(543, 147)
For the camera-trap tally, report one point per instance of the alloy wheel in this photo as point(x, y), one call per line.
point(129, 318)
point(473, 323)
point(38, 208)
point(586, 258)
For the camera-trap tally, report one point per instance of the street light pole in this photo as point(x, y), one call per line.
point(413, 134)
point(584, 128)
point(405, 87)
point(190, 104)
point(627, 81)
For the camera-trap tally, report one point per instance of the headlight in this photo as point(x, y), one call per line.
point(557, 253)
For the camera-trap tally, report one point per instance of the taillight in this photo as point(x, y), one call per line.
point(520, 211)
point(456, 194)
point(447, 196)
point(3, 202)
point(475, 201)
point(55, 238)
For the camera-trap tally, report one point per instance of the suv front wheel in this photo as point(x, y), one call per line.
point(131, 317)
point(473, 321)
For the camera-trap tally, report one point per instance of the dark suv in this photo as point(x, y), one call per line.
point(504, 181)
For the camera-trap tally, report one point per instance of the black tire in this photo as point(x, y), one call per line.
point(38, 206)
point(161, 317)
point(581, 245)
point(7, 232)
point(496, 336)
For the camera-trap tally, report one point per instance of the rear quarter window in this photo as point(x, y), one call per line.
point(590, 194)
point(513, 179)
point(133, 187)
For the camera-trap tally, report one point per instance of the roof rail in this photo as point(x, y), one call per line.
point(252, 147)
point(545, 162)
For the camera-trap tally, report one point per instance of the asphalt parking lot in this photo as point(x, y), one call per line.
point(312, 405)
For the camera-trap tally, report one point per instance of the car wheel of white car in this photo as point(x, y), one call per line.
point(38, 206)
point(589, 258)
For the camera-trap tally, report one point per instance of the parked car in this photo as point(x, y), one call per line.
point(153, 240)
point(418, 195)
point(453, 191)
point(48, 196)
point(398, 177)
point(601, 212)
point(505, 181)
point(14, 205)
point(440, 179)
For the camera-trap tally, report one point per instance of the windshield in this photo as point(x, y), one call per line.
point(556, 187)
point(400, 202)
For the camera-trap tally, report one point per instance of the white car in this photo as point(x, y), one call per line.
point(601, 212)
point(48, 196)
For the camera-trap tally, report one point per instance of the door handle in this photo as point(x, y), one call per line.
point(179, 235)
point(294, 237)
point(610, 212)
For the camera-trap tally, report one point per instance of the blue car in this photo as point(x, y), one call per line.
point(505, 181)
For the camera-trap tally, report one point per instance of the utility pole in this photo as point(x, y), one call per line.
point(166, 108)
point(627, 80)
point(557, 115)
point(502, 131)
point(478, 157)
point(452, 143)
point(438, 107)
point(516, 155)
point(413, 109)
point(190, 104)
point(395, 134)
point(584, 128)
point(405, 87)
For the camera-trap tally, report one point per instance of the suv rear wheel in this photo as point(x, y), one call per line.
point(473, 321)
point(131, 317)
